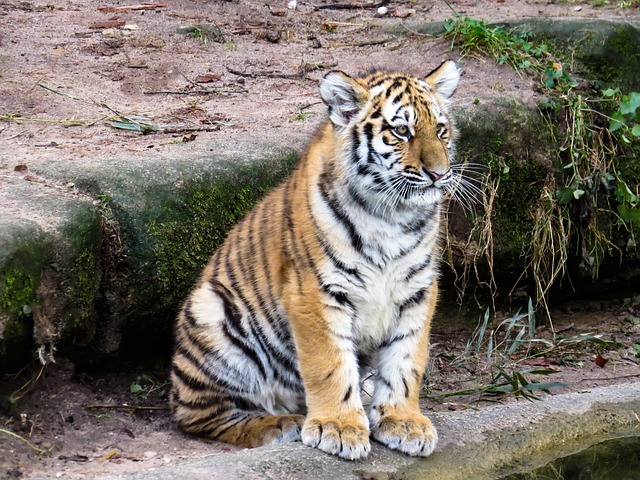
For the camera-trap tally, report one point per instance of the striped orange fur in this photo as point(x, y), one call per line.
point(332, 275)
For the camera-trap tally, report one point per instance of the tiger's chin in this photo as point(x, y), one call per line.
point(424, 198)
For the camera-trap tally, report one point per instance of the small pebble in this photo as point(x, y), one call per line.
point(383, 11)
point(292, 5)
point(150, 454)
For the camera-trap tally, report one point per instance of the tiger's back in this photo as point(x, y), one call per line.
point(332, 273)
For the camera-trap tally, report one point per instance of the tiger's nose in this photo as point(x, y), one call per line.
point(432, 174)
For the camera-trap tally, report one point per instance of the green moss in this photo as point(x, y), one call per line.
point(17, 295)
point(599, 50)
point(18, 292)
point(196, 228)
point(79, 265)
point(196, 219)
point(518, 194)
point(514, 143)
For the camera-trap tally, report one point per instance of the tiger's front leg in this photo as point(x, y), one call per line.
point(336, 421)
point(395, 416)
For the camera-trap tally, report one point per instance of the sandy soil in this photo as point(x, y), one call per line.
point(70, 69)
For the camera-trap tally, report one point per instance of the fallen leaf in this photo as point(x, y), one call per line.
point(21, 167)
point(601, 361)
point(107, 24)
point(537, 361)
point(110, 455)
point(208, 78)
point(142, 6)
point(404, 12)
point(564, 328)
point(277, 12)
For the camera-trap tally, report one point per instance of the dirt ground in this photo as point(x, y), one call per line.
point(73, 423)
point(77, 77)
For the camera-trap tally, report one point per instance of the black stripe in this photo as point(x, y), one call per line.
point(406, 387)
point(246, 349)
point(385, 381)
point(367, 129)
point(192, 383)
point(200, 404)
point(215, 414)
point(418, 268)
point(390, 341)
point(236, 418)
point(341, 217)
point(201, 368)
point(413, 300)
point(347, 395)
point(340, 297)
point(186, 310)
point(291, 230)
point(203, 351)
point(422, 222)
point(355, 146)
point(328, 251)
point(232, 314)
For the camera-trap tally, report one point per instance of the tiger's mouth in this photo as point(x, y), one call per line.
point(426, 181)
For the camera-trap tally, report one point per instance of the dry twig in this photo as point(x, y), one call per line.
point(350, 6)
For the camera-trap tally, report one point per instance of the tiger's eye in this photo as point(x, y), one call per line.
point(401, 130)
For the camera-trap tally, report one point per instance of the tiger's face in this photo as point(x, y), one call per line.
point(397, 134)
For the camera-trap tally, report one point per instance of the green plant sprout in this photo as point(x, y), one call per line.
point(592, 196)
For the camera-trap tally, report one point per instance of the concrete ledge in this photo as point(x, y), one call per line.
point(486, 443)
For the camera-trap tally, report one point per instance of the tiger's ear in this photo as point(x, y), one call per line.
point(444, 79)
point(343, 95)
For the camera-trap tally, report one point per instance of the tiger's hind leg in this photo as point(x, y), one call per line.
point(225, 422)
point(222, 388)
point(205, 409)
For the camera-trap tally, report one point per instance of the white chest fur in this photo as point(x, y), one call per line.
point(393, 259)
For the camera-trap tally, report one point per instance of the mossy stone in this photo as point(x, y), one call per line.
point(50, 254)
point(23, 251)
point(512, 140)
point(607, 51)
point(164, 218)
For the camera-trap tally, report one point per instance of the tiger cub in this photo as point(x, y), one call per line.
point(332, 275)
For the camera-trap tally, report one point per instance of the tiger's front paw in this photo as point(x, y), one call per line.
point(348, 440)
point(413, 435)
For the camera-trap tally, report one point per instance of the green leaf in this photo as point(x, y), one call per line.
point(630, 105)
point(635, 131)
point(630, 214)
point(610, 92)
point(636, 346)
point(577, 193)
point(135, 388)
point(624, 194)
point(617, 121)
point(564, 195)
